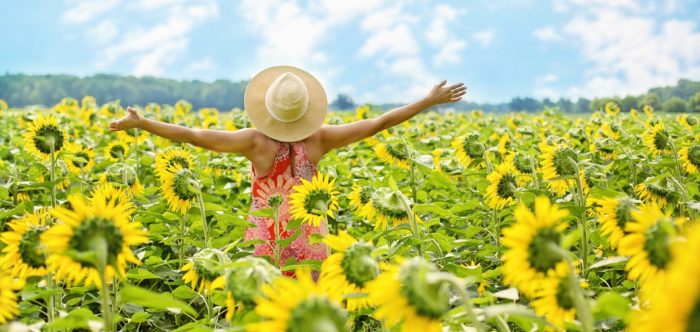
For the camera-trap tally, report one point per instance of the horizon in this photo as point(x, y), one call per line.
point(374, 51)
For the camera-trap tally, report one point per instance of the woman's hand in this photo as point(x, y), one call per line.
point(129, 121)
point(441, 94)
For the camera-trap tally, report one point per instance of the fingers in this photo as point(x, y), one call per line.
point(459, 89)
point(459, 94)
point(456, 86)
point(441, 84)
point(455, 99)
point(131, 110)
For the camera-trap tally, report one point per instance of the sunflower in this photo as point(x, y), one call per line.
point(657, 192)
point(117, 151)
point(605, 148)
point(122, 175)
point(80, 228)
point(349, 269)
point(612, 108)
point(44, 132)
point(393, 153)
point(648, 245)
point(313, 201)
point(529, 258)
point(648, 110)
point(559, 161)
point(554, 300)
point(171, 157)
point(406, 295)
point(23, 256)
point(469, 149)
point(675, 307)
point(108, 192)
point(299, 305)
point(503, 185)
point(203, 270)
point(690, 157)
point(503, 144)
point(8, 297)
point(437, 158)
point(614, 214)
point(687, 121)
point(176, 186)
point(362, 112)
point(656, 139)
point(244, 282)
point(388, 207)
point(361, 199)
point(79, 159)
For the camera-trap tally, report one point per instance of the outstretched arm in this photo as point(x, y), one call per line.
point(238, 141)
point(341, 135)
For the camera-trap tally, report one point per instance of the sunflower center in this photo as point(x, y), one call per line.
point(507, 186)
point(564, 294)
point(93, 228)
point(694, 318)
point(46, 136)
point(117, 151)
point(316, 200)
point(316, 314)
point(541, 256)
point(694, 155)
point(29, 247)
point(181, 185)
point(274, 201)
point(622, 212)
point(388, 204)
point(658, 190)
point(661, 140)
point(80, 163)
point(564, 162)
point(358, 265)
point(247, 276)
point(691, 120)
point(429, 298)
point(180, 161)
point(399, 154)
point(656, 244)
point(366, 194)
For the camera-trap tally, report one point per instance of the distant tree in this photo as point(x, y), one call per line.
point(343, 103)
point(675, 105)
point(695, 103)
point(628, 103)
point(651, 99)
point(524, 104)
point(582, 105)
point(565, 105)
point(598, 104)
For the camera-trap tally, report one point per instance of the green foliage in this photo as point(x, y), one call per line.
point(675, 105)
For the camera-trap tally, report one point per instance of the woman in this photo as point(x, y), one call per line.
point(287, 106)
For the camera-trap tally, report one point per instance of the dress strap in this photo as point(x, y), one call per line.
point(292, 161)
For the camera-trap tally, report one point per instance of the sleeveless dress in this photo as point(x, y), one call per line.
point(290, 166)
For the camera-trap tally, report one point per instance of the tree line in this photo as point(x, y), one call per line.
point(20, 90)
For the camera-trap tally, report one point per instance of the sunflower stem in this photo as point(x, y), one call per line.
point(458, 285)
point(414, 190)
point(275, 216)
point(53, 173)
point(496, 230)
point(183, 233)
point(99, 244)
point(412, 222)
point(202, 212)
point(51, 302)
point(583, 309)
point(581, 202)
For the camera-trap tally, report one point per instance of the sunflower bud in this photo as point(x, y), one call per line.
point(247, 275)
point(429, 296)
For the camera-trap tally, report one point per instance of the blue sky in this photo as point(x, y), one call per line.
point(374, 50)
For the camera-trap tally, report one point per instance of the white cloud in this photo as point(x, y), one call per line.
point(438, 34)
point(202, 65)
point(394, 41)
point(638, 53)
point(83, 11)
point(484, 37)
point(103, 33)
point(547, 34)
point(150, 46)
point(543, 88)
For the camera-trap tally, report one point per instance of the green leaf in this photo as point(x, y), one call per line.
point(263, 213)
point(612, 304)
point(75, 319)
point(141, 274)
point(140, 317)
point(150, 299)
point(184, 293)
point(609, 261)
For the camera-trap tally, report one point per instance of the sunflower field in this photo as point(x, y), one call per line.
point(459, 221)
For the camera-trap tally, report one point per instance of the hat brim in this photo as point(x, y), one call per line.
point(310, 122)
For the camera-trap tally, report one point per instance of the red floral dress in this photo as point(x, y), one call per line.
point(279, 182)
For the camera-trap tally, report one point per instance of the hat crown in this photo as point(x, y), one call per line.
point(287, 98)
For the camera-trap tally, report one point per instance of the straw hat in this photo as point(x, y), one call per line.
point(285, 103)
